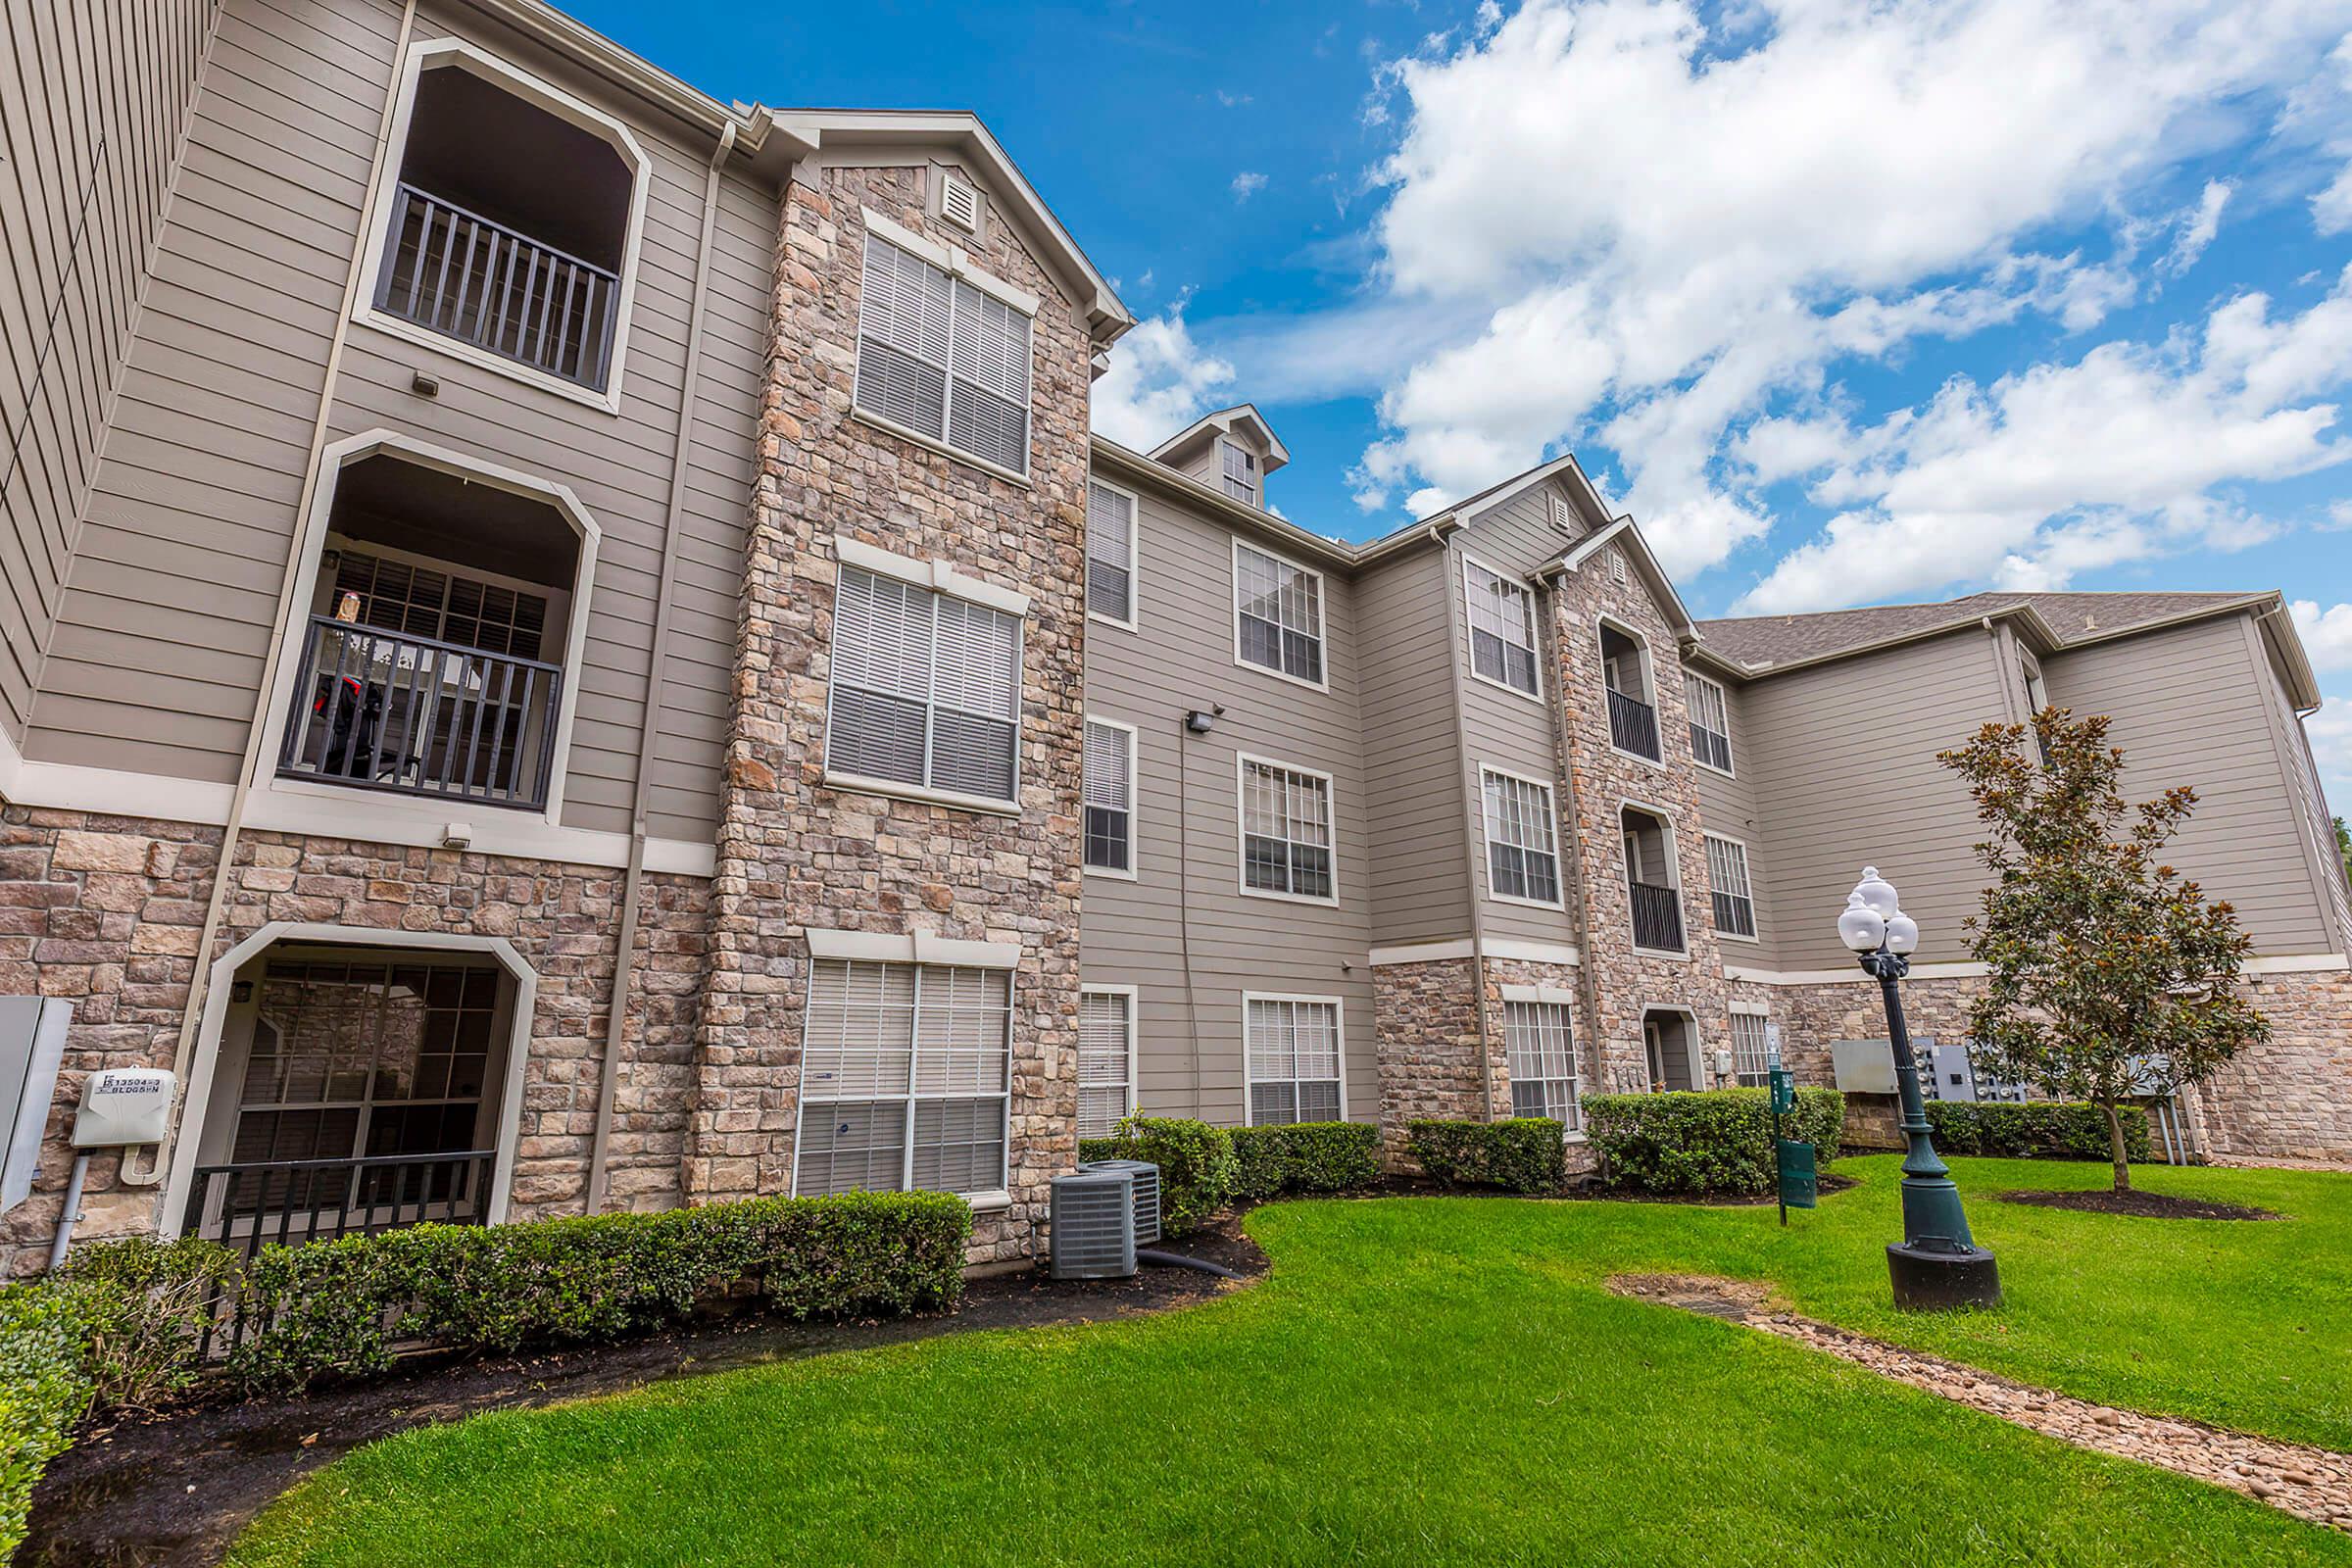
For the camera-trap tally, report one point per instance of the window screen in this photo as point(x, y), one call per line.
point(1106, 1019)
point(1521, 859)
point(1279, 610)
point(1540, 1050)
point(1751, 1049)
point(1502, 628)
point(1710, 721)
point(1293, 1053)
point(1110, 787)
point(1285, 831)
point(939, 357)
point(927, 688)
point(1727, 877)
point(1109, 553)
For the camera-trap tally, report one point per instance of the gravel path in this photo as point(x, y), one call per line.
point(2314, 1484)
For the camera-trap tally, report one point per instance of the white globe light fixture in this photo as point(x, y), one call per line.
point(1861, 928)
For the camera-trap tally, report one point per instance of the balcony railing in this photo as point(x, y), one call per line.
point(1657, 917)
point(1632, 725)
point(413, 715)
point(467, 277)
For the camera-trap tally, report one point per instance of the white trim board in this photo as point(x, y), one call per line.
point(1460, 948)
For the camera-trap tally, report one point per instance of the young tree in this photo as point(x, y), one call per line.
point(2343, 847)
point(2112, 977)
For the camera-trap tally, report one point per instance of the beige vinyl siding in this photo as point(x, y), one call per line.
point(196, 505)
point(94, 101)
point(1841, 759)
point(1134, 932)
point(1727, 806)
point(2197, 704)
point(1413, 756)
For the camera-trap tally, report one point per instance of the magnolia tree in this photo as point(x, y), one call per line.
point(2112, 977)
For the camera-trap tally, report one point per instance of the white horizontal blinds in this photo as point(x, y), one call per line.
point(1710, 721)
point(1103, 1023)
point(449, 606)
point(1502, 628)
point(1294, 1052)
point(1522, 860)
point(1280, 611)
point(1751, 1049)
point(903, 331)
point(1727, 877)
point(1109, 799)
point(1109, 553)
point(925, 688)
point(1285, 831)
point(1240, 472)
point(1540, 1049)
point(903, 1078)
point(988, 403)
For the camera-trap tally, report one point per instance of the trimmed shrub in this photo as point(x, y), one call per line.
point(1716, 1140)
point(145, 1305)
point(1196, 1165)
point(2065, 1130)
point(1524, 1154)
point(43, 1390)
point(1308, 1156)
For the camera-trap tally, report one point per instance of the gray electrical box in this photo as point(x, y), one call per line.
point(1864, 1066)
point(32, 1043)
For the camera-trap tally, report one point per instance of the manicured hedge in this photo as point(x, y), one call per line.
point(1525, 1154)
point(1198, 1167)
point(1717, 1141)
point(1308, 1156)
point(2067, 1130)
point(43, 1392)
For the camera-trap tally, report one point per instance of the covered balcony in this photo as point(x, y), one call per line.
point(1632, 701)
point(1651, 877)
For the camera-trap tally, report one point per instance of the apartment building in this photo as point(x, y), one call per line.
point(532, 695)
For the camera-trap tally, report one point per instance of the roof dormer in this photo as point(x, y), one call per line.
point(1232, 450)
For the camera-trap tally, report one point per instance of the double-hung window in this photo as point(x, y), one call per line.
point(1111, 541)
point(1286, 832)
point(1292, 1045)
point(903, 1078)
point(1503, 629)
point(1727, 879)
point(926, 689)
point(1278, 615)
point(942, 359)
point(1108, 766)
point(1539, 1049)
point(1710, 721)
point(1106, 1058)
point(1240, 467)
point(1523, 862)
point(1751, 1049)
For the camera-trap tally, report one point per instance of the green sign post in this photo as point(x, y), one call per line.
point(1797, 1180)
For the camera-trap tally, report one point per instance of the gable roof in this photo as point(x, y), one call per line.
point(1623, 534)
point(1223, 421)
point(1769, 642)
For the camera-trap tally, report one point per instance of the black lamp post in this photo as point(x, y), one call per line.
point(1939, 1264)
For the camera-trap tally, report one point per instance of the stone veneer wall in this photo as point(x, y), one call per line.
point(109, 911)
point(1427, 1032)
point(792, 853)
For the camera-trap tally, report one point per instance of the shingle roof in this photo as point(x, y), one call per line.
point(1762, 642)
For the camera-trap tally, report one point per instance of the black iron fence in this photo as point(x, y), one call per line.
point(1657, 917)
point(1632, 725)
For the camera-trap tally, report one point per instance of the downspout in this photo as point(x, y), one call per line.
point(191, 1020)
point(632, 893)
point(1457, 650)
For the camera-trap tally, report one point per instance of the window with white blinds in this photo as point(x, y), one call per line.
point(1727, 879)
point(1278, 610)
point(1523, 860)
point(1108, 767)
point(904, 1074)
point(424, 602)
point(1710, 721)
point(1539, 1049)
point(1503, 629)
point(1752, 1050)
point(1286, 832)
point(1293, 1045)
point(926, 689)
point(1111, 541)
point(942, 359)
point(1105, 1060)
point(1240, 466)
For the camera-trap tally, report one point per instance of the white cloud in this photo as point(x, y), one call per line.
point(1247, 185)
point(1158, 382)
point(2197, 228)
point(2330, 732)
point(2327, 633)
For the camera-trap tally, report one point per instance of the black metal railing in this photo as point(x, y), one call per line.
point(1657, 917)
point(416, 716)
point(1632, 725)
point(288, 1202)
point(458, 273)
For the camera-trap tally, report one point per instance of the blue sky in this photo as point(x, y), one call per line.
point(1847, 303)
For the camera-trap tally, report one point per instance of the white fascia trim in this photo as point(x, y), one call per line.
point(1460, 948)
point(1752, 1009)
point(1534, 952)
point(936, 575)
point(2299, 964)
point(952, 260)
point(1549, 994)
point(921, 947)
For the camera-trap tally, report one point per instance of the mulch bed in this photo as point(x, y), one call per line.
point(2144, 1206)
point(173, 1489)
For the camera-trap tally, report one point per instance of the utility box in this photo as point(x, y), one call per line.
point(1864, 1066)
point(124, 1105)
point(1944, 1072)
point(32, 1043)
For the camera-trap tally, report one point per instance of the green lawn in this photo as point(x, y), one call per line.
point(1427, 1381)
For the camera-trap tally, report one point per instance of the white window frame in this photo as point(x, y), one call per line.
point(1573, 1124)
point(1747, 873)
point(1322, 617)
point(1135, 563)
point(1674, 870)
point(1134, 1001)
point(937, 578)
point(951, 261)
point(1604, 621)
point(1339, 1021)
point(1255, 499)
point(457, 54)
point(1552, 824)
point(1763, 1018)
point(1241, 763)
point(1534, 648)
point(1723, 699)
point(1134, 791)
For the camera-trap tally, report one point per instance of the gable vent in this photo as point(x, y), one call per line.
point(1616, 564)
point(958, 201)
point(1562, 516)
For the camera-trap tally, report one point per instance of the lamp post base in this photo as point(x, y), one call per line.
point(1936, 1280)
